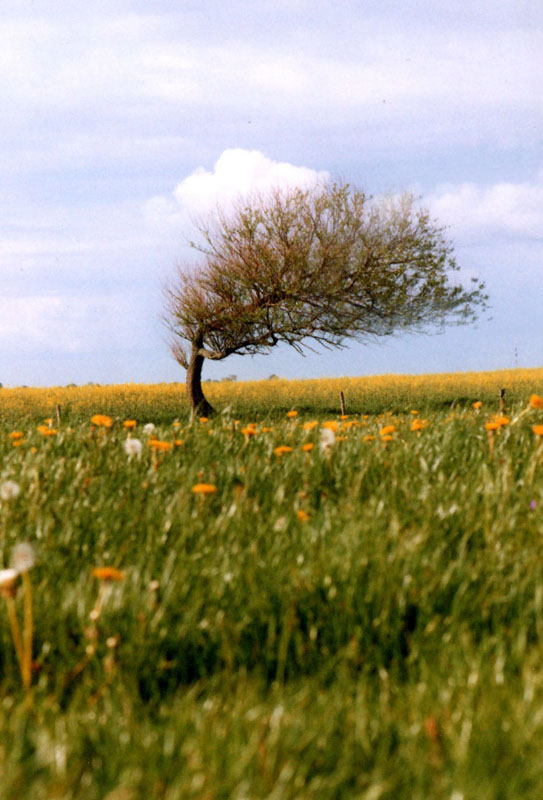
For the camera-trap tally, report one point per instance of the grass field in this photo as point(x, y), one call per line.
point(274, 605)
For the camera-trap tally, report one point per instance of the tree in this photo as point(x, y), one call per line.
point(320, 265)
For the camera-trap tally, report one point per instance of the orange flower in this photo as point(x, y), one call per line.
point(178, 442)
point(266, 430)
point(477, 405)
point(308, 426)
point(368, 438)
point(129, 423)
point(344, 416)
point(292, 414)
point(102, 421)
point(387, 438)
point(418, 424)
point(307, 447)
point(538, 430)
point(536, 401)
point(46, 431)
point(16, 435)
point(156, 444)
point(249, 431)
point(331, 425)
point(203, 419)
point(302, 515)
point(492, 426)
point(283, 448)
point(108, 574)
point(388, 429)
point(204, 488)
point(414, 412)
point(18, 442)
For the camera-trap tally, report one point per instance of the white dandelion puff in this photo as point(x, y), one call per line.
point(133, 447)
point(23, 557)
point(149, 428)
point(9, 490)
point(327, 440)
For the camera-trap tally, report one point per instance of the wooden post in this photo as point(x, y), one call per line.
point(342, 401)
point(502, 400)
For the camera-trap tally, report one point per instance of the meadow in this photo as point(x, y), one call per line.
point(280, 601)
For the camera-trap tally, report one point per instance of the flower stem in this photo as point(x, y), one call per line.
point(27, 630)
point(15, 632)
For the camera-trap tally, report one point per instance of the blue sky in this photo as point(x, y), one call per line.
point(123, 118)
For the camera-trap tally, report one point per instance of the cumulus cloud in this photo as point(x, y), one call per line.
point(508, 209)
point(236, 173)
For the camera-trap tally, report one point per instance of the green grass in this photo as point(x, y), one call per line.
point(390, 646)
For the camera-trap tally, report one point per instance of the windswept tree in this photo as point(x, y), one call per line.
point(321, 265)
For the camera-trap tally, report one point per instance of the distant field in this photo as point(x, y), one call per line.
point(374, 394)
point(277, 602)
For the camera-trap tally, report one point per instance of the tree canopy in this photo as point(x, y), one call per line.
point(324, 265)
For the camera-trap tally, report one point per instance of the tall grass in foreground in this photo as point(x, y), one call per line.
point(297, 608)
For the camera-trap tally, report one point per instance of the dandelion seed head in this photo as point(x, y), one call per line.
point(9, 490)
point(133, 447)
point(23, 557)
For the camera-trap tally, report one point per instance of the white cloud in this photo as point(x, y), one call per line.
point(236, 173)
point(61, 323)
point(506, 209)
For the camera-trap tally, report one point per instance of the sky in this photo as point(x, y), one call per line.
point(122, 120)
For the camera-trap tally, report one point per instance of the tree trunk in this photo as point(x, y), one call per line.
point(197, 399)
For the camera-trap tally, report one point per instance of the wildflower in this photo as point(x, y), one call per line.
point(292, 414)
point(176, 424)
point(9, 490)
point(418, 424)
point(249, 431)
point(344, 416)
point(387, 438)
point(264, 429)
point(156, 444)
point(368, 438)
point(538, 430)
point(178, 442)
point(307, 447)
point(22, 557)
point(16, 435)
point(533, 505)
point(302, 515)
point(148, 428)
point(536, 401)
point(387, 430)
point(501, 420)
point(204, 488)
point(129, 423)
point(414, 412)
point(492, 426)
point(477, 405)
point(46, 430)
point(327, 439)
point(203, 420)
point(133, 447)
point(282, 448)
point(331, 425)
point(107, 574)
point(308, 426)
point(102, 421)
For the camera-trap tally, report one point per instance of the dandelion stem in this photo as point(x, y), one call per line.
point(15, 632)
point(27, 630)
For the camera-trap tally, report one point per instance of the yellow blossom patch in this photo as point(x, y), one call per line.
point(308, 426)
point(331, 425)
point(129, 423)
point(16, 435)
point(538, 430)
point(307, 447)
point(477, 405)
point(536, 401)
point(387, 430)
point(292, 414)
